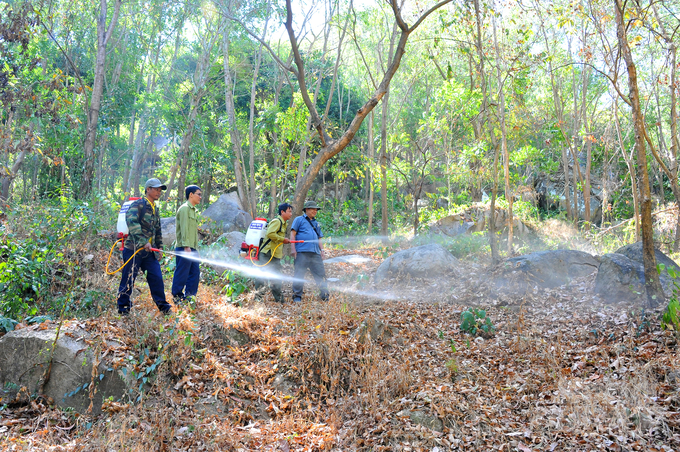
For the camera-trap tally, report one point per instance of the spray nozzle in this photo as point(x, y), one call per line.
point(297, 241)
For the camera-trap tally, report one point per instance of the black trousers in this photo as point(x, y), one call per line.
point(314, 263)
point(275, 282)
point(144, 261)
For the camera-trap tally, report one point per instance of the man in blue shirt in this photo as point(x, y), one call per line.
point(308, 255)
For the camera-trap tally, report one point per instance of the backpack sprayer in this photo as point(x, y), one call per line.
point(123, 233)
point(255, 236)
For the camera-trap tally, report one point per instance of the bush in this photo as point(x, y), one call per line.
point(38, 262)
point(24, 277)
point(475, 322)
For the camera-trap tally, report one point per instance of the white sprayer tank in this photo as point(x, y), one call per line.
point(256, 231)
point(122, 225)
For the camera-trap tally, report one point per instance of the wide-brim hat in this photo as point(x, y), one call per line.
point(154, 183)
point(311, 205)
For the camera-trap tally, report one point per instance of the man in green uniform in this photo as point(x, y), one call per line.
point(144, 224)
point(187, 271)
point(275, 237)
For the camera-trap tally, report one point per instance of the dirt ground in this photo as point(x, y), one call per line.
point(379, 368)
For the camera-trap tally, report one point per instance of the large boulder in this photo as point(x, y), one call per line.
point(25, 356)
point(546, 269)
point(427, 261)
point(621, 276)
point(482, 217)
point(168, 229)
point(634, 252)
point(226, 214)
point(451, 225)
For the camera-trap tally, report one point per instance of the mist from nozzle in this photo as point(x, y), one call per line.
point(248, 270)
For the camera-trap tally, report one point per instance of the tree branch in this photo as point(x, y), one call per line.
point(428, 12)
point(261, 41)
point(316, 120)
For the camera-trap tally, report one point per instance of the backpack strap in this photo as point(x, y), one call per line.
point(280, 229)
point(318, 236)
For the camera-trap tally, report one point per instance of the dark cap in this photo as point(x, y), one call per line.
point(311, 205)
point(154, 183)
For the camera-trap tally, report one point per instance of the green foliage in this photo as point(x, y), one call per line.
point(36, 257)
point(475, 322)
point(234, 284)
point(467, 245)
point(24, 277)
point(7, 324)
point(669, 318)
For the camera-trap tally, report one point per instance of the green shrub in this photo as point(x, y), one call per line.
point(24, 277)
point(475, 322)
point(669, 318)
point(465, 245)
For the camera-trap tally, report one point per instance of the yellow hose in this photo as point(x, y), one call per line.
point(106, 269)
point(250, 254)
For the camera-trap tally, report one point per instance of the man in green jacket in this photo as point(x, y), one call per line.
point(144, 224)
point(187, 271)
point(274, 239)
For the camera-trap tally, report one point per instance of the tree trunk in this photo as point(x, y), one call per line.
point(252, 202)
point(675, 142)
point(331, 147)
point(631, 170)
point(653, 288)
point(371, 156)
point(103, 36)
point(238, 162)
point(493, 244)
point(559, 116)
point(200, 76)
point(504, 139)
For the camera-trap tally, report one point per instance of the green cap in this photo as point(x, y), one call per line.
point(311, 205)
point(154, 183)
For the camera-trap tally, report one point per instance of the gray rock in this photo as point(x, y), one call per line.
point(354, 259)
point(452, 225)
point(634, 252)
point(232, 196)
point(230, 243)
point(620, 278)
point(547, 269)
point(227, 214)
point(168, 229)
point(427, 261)
point(25, 355)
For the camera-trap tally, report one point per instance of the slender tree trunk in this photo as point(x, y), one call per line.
point(559, 116)
point(504, 139)
point(208, 41)
point(588, 137)
point(654, 291)
point(103, 36)
point(252, 202)
point(675, 142)
point(631, 169)
point(493, 244)
point(242, 190)
point(371, 156)
point(384, 229)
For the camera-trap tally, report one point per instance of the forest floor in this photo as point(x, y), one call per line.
point(389, 372)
